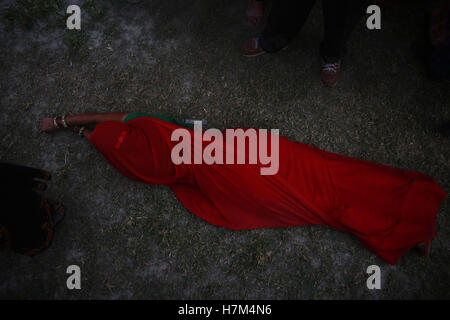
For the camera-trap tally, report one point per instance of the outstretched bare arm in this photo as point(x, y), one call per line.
point(84, 119)
point(87, 118)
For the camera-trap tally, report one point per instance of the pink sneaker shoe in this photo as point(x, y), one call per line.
point(252, 48)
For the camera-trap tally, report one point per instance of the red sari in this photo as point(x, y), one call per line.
point(390, 210)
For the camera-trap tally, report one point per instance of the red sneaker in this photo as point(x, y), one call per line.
point(252, 48)
point(330, 73)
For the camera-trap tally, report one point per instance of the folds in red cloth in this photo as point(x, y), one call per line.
point(389, 210)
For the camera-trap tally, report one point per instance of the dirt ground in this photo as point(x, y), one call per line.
point(182, 59)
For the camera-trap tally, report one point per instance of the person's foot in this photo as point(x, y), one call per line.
point(255, 13)
point(330, 73)
point(252, 47)
point(80, 130)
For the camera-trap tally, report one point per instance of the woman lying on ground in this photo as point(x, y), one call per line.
point(389, 210)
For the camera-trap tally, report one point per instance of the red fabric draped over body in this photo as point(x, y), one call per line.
point(390, 210)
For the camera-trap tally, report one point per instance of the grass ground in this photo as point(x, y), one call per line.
point(181, 58)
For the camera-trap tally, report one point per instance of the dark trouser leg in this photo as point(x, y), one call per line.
point(285, 20)
point(340, 18)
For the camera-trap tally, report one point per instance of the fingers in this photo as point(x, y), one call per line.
point(39, 185)
point(43, 125)
point(76, 129)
